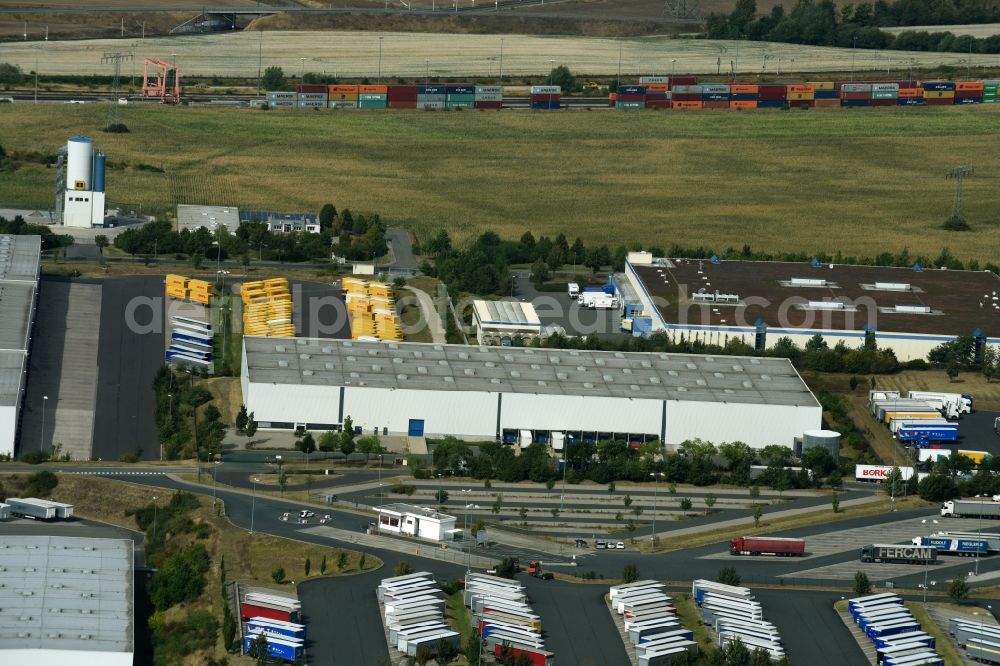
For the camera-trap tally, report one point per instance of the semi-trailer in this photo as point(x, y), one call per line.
point(650, 627)
point(63, 511)
point(269, 606)
point(873, 598)
point(922, 436)
point(661, 657)
point(981, 649)
point(616, 590)
point(899, 650)
point(909, 637)
point(992, 539)
point(264, 625)
point(977, 457)
point(282, 648)
point(29, 508)
point(890, 628)
point(535, 657)
point(926, 658)
point(767, 546)
point(970, 509)
point(657, 638)
point(395, 629)
point(4, 511)
point(776, 651)
point(964, 401)
point(669, 642)
point(700, 586)
point(903, 554)
point(896, 424)
point(432, 641)
point(954, 546)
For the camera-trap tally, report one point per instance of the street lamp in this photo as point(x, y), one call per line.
point(171, 406)
point(41, 439)
point(154, 517)
point(656, 477)
point(253, 500)
point(673, 66)
point(302, 68)
point(501, 60)
point(467, 506)
point(924, 522)
point(215, 468)
point(380, 58)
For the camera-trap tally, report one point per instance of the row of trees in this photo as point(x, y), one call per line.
point(183, 433)
point(820, 22)
point(960, 354)
point(18, 227)
point(360, 236)
point(697, 462)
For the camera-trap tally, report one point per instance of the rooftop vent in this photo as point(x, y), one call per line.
point(598, 361)
point(376, 368)
point(421, 370)
point(554, 360)
point(279, 348)
point(692, 366)
point(438, 348)
point(515, 373)
point(469, 372)
point(397, 360)
point(355, 375)
point(562, 375)
point(737, 368)
point(328, 366)
point(494, 381)
point(672, 373)
point(351, 359)
point(449, 380)
point(574, 352)
point(755, 361)
point(393, 345)
point(826, 305)
point(401, 377)
point(535, 366)
point(463, 355)
point(418, 354)
point(443, 363)
point(646, 364)
point(718, 375)
point(304, 357)
point(282, 364)
point(509, 358)
point(681, 389)
point(634, 387)
point(373, 352)
point(913, 309)
point(654, 380)
point(542, 383)
point(892, 286)
point(748, 384)
point(700, 382)
point(710, 359)
point(619, 355)
point(608, 378)
point(490, 364)
point(766, 378)
point(589, 385)
point(728, 391)
point(300, 341)
point(327, 350)
point(808, 282)
point(483, 349)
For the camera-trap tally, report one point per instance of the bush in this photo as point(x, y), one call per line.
point(728, 576)
point(278, 575)
point(181, 577)
point(630, 573)
point(34, 457)
point(40, 484)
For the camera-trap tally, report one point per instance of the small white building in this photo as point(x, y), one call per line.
point(415, 521)
point(500, 320)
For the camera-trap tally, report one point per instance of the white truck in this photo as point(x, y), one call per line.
point(573, 289)
point(970, 509)
point(962, 401)
point(602, 301)
point(28, 508)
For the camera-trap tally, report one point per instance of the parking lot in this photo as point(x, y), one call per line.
point(557, 308)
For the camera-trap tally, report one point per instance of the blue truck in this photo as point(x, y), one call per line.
point(955, 546)
point(922, 435)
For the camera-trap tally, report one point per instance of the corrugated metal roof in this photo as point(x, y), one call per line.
point(19, 259)
point(506, 312)
point(211, 217)
point(66, 593)
point(436, 367)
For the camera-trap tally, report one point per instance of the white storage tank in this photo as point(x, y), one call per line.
point(828, 439)
point(79, 163)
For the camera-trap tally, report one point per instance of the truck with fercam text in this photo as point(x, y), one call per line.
point(970, 509)
point(901, 553)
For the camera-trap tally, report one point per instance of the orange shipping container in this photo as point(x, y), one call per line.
point(822, 85)
point(799, 88)
point(827, 103)
point(373, 90)
point(742, 89)
point(342, 90)
point(911, 92)
point(686, 105)
point(743, 104)
point(969, 86)
point(662, 87)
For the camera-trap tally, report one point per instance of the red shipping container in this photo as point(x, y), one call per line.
point(801, 103)
point(622, 97)
point(884, 102)
point(658, 103)
point(683, 81)
point(488, 105)
point(715, 104)
point(855, 95)
point(939, 101)
point(545, 98)
point(310, 88)
point(656, 94)
point(403, 92)
point(253, 610)
point(687, 97)
point(402, 104)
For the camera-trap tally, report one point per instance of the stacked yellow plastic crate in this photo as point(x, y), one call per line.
point(186, 289)
point(372, 310)
point(267, 308)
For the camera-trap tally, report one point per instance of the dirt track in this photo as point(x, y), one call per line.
point(356, 54)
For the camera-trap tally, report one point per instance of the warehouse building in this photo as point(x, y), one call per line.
point(193, 217)
point(283, 223)
point(415, 521)
point(66, 600)
point(19, 263)
point(487, 393)
point(500, 322)
point(909, 310)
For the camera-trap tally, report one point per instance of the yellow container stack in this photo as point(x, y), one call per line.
point(371, 309)
point(187, 289)
point(267, 308)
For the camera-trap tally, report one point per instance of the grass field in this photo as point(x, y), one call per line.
point(860, 181)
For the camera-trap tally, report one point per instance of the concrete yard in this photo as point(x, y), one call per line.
point(63, 363)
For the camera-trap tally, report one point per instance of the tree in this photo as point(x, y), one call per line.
point(539, 272)
point(402, 568)
point(630, 573)
point(242, 418)
point(737, 653)
point(327, 214)
point(329, 441)
point(862, 585)
point(959, 589)
point(627, 501)
point(952, 370)
point(347, 437)
point(685, 504)
point(100, 240)
point(10, 75)
point(441, 496)
point(258, 648)
point(274, 78)
point(472, 647)
point(523, 512)
point(498, 503)
point(307, 444)
point(308, 566)
point(341, 560)
point(728, 576)
point(835, 502)
point(758, 513)
point(561, 76)
point(278, 575)
point(322, 565)
point(251, 427)
point(710, 502)
point(446, 652)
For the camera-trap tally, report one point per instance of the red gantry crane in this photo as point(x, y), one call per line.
point(165, 83)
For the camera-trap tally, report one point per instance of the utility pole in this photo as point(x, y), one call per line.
point(115, 58)
point(260, 56)
point(958, 174)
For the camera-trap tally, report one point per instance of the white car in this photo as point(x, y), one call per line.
point(305, 513)
point(620, 545)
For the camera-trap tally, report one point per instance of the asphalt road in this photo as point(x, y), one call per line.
point(130, 351)
point(402, 249)
point(812, 632)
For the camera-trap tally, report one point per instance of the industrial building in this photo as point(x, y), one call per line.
point(66, 600)
point(80, 185)
point(281, 223)
point(416, 521)
point(192, 217)
point(487, 393)
point(499, 322)
point(909, 310)
point(19, 266)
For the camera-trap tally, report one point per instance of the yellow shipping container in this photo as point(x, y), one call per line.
point(822, 85)
point(939, 94)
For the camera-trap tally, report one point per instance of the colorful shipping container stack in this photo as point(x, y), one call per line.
point(939, 93)
point(990, 91)
point(800, 95)
point(432, 97)
point(278, 99)
point(885, 94)
point(911, 95)
point(630, 97)
point(460, 96)
point(825, 94)
point(267, 308)
point(855, 94)
point(658, 95)
point(969, 92)
point(402, 97)
point(488, 97)
point(546, 97)
point(771, 96)
point(342, 97)
point(373, 97)
point(311, 96)
point(714, 96)
point(686, 96)
point(743, 96)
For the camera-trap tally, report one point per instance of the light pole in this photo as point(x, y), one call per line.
point(565, 462)
point(253, 500)
point(427, 72)
point(924, 522)
point(154, 517)
point(380, 58)
point(260, 60)
point(501, 60)
point(853, 49)
point(215, 467)
point(41, 438)
point(223, 318)
point(170, 407)
point(302, 68)
point(466, 491)
point(673, 66)
point(656, 477)
point(36, 75)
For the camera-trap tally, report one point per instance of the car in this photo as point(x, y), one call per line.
point(620, 545)
point(546, 575)
point(305, 513)
point(600, 545)
point(581, 543)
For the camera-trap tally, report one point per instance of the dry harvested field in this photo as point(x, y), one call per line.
point(976, 30)
point(862, 181)
point(356, 54)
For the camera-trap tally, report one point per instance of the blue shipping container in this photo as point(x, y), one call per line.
point(545, 105)
point(715, 97)
point(826, 94)
point(432, 90)
point(743, 97)
point(631, 90)
point(460, 89)
point(910, 101)
point(939, 85)
point(968, 100)
point(771, 104)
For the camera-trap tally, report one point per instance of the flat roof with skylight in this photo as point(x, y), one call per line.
point(66, 600)
point(191, 217)
point(527, 370)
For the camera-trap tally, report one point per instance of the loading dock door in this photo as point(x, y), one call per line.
point(416, 428)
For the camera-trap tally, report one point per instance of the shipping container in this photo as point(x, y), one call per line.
point(658, 104)
point(938, 86)
point(855, 87)
point(743, 104)
point(770, 103)
point(460, 89)
point(743, 89)
point(715, 104)
point(683, 80)
point(939, 101)
point(799, 88)
point(654, 79)
point(771, 92)
point(489, 90)
point(827, 94)
point(826, 103)
point(685, 105)
point(822, 85)
point(687, 90)
point(483, 104)
point(311, 88)
point(631, 90)
point(545, 90)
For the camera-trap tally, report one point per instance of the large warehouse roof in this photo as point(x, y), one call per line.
point(19, 259)
point(506, 312)
point(435, 367)
point(191, 217)
point(65, 593)
point(802, 295)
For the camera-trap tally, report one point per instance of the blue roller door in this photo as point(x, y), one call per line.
point(416, 428)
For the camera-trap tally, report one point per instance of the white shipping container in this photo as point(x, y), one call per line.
point(546, 90)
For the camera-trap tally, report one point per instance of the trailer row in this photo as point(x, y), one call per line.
point(898, 638)
point(981, 641)
point(35, 509)
point(506, 622)
point(922, 418)
point(735, 615)
point(651, 623)
point(413, 613)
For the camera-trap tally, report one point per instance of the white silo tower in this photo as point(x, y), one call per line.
point(83, 204)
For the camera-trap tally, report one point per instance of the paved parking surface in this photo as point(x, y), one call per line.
point(946, 568)
point(319, 311)
point(559, 309)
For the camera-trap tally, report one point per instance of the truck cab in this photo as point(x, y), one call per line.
point(573, 289)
